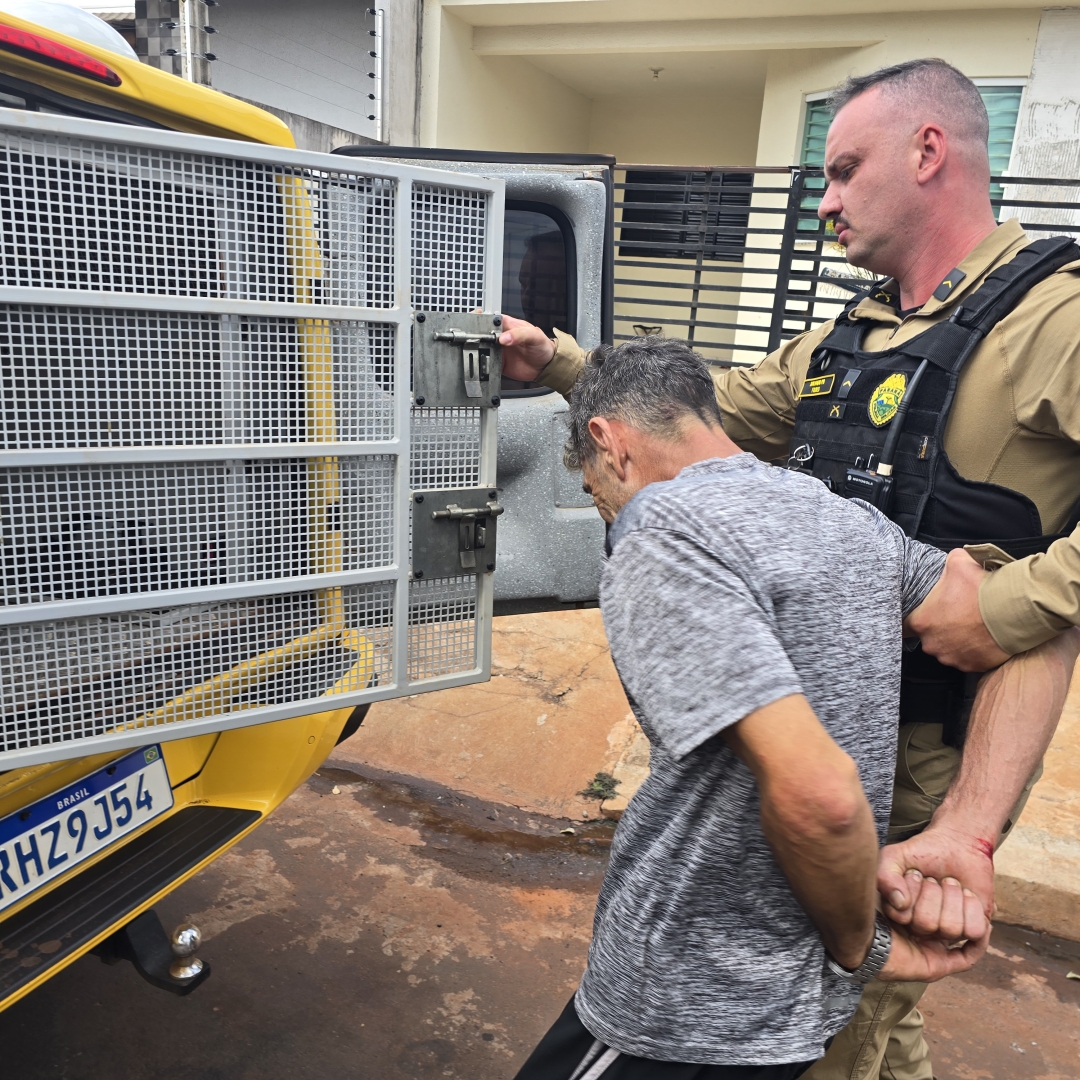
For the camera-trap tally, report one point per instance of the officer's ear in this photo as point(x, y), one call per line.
point(932, 147)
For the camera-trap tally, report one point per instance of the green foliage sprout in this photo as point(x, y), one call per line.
point(602, 786)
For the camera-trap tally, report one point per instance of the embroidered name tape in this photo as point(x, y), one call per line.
point(818, 386)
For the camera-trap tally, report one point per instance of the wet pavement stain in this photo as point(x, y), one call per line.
point(460, 831)
point(397, 930)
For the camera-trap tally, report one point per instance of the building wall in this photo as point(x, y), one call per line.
point(984, 44)
point(310, 61)
point(497, 102)
point(497, 85)
point(688, 127)
point(1048, 129)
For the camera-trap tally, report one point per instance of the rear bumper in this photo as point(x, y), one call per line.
point(45, 934)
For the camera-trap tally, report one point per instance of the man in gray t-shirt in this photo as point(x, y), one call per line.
point(755, 620)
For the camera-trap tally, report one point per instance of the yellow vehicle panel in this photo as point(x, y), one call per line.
point(253, 768)
point(147, 92)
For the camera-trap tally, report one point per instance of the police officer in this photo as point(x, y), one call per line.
point(949, 395)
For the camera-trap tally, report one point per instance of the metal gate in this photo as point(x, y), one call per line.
point(735, 260)
point(208, 441)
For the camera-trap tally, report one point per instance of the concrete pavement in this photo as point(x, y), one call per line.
point(398, 930)
point(554, 715)
point(422, 907)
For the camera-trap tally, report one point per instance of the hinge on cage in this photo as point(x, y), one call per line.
point(442, 550)
point(456, 360)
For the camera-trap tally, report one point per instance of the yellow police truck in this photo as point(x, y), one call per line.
point(247, 477)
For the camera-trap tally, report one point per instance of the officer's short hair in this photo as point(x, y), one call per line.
point(650, 383)
point(926, 82)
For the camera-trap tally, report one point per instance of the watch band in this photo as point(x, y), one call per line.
point(880, 947)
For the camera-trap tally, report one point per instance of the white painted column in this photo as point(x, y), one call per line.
point(1048, 129)
point(1047, 142)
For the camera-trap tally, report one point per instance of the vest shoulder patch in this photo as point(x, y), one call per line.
point(952, 279)
point(886, 398)
point(818, 386)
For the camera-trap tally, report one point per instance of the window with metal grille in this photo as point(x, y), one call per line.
point(689, 215)
point(815, 129)
point(812, 154)
point(796, 281)
point(1002, 108)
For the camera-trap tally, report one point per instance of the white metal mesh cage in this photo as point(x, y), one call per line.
point(80, 377)
point(449, 235)
point(445, 448)
point(207, 446)
point(79, 678)
point(115, 217)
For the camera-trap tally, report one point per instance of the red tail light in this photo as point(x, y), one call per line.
point(35, 47)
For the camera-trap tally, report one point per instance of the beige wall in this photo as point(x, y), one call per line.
point(984, 44)
point(500, 102)
point(690, 127)
point(498, 86)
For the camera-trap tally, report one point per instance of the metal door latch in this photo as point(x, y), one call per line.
point(475, 359)
point(456, 359)
point(439, 551)
point(472, 529)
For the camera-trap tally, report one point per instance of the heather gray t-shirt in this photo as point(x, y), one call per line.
point(732, 586)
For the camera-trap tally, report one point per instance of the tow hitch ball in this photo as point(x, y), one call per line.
point(167, 961)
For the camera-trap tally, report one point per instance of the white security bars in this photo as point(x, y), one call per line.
point(208, 444)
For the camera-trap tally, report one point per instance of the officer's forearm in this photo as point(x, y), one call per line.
point(1012, 722)
point(1028, 602)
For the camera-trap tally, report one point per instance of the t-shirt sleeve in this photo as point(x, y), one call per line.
point(922, 568)
point(696, 650)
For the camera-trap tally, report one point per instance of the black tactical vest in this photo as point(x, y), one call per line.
point(842, 421)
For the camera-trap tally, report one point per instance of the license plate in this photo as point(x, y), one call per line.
point(49, 837)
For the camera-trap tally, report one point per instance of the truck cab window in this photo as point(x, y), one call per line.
point(538, 272)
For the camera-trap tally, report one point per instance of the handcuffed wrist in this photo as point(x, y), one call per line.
point(876, 958)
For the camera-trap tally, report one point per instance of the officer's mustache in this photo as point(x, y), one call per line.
point(836, 223)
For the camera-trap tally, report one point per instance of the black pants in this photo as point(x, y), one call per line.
point(564, 1054)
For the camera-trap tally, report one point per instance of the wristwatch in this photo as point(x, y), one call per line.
point(875, 959)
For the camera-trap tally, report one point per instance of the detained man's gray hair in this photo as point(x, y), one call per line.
point(651, 384)
point(929, 86)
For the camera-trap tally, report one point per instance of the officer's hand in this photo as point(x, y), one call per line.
point(948, 621)
point(913, 959)
point(526, 349)
point(938, 884)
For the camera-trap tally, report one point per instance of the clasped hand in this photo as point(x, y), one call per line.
point(937, 892)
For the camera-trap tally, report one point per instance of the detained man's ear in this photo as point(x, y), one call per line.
point(611, 439)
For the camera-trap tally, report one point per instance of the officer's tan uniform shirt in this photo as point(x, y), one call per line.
point(1015, 421)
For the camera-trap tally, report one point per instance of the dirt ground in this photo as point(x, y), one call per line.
point(395, 930)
